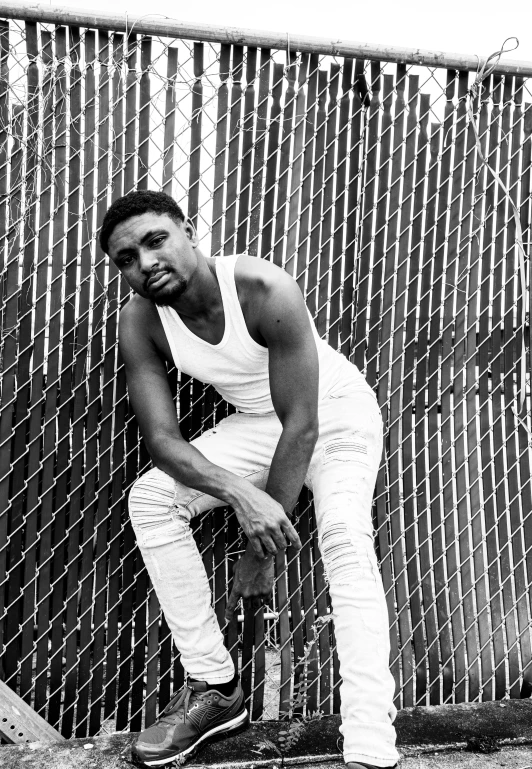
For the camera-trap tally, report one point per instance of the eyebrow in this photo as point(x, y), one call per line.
point(128, 249)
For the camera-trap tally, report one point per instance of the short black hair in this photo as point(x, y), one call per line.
point(135, 204)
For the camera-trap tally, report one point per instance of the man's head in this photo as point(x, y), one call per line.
point(134, 204)
point(153, 245)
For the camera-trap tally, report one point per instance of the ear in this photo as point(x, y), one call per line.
point(190, 231)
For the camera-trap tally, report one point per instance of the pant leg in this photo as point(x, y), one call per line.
point(161, 510)
point(342, 476)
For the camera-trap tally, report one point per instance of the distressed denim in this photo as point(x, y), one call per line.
point(342, 476)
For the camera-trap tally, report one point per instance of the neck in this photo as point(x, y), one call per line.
point(203, 296)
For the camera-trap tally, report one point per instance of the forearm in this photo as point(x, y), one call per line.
point(290, 464)
point(189, 466)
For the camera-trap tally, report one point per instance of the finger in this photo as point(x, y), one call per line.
point(279, 539)
point(268, 544)
point(292, 535)
point(232, 604)
point(257, 546)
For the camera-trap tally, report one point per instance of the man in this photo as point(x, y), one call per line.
point(304, 415)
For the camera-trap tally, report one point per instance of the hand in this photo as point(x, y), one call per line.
point(252, 580)
point(264, 522)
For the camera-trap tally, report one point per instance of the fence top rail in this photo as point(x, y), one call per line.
point(168, 27)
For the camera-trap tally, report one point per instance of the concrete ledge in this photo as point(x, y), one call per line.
point(422, 732)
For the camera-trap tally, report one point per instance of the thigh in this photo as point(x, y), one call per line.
point(243, 444)
point(345, 463)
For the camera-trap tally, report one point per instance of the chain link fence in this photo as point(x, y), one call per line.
point(400, 200)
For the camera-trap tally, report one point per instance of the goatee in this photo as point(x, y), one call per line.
point(165, 298)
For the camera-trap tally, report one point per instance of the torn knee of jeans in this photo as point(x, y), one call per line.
point(353, 448)
point(154, 515)
point(343, 561)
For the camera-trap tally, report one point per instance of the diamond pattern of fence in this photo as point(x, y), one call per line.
point(365, 180)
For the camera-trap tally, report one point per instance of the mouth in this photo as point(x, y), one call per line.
point(158, 280)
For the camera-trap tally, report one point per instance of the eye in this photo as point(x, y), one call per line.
point(156, 241)
point(126, 261)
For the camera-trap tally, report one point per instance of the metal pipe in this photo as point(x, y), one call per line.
point(168, 27)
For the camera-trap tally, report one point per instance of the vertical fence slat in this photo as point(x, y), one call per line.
point(525, 487)
point(115, 526)
point(504, 237)
point(474, 344)
point(30, 250)
point(339, 209)
point(61, 396)
point(499, 540)
point(296, 180)
point(41, 326)
point(306, 188)
point(422, 416)
point(195, 133)
point(233, 151)
point(330, 162)
point(8, 382)
point(130, 559)
point(71, 287)
point(306, 532)
point(279, 244)
point(221, 149)
point(247, 152)
point(452, 461)
point(259, 151)
point(372, 354)
point(435, 418)
point(10, 321)
point(131, 114)
point(82, 402)
point(272, 154)
point(484, 356)
point(393, 411)
point(104, 372)
point(367, 219)
point(466, 286)
point(169, 122)
point(354, 185)
point(143, 147)
point(317, 196)
point(406, 307)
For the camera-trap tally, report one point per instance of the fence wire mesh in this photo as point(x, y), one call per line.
point(364, 181)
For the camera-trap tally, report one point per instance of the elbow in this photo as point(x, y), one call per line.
point(307, 432)
point(161, 447)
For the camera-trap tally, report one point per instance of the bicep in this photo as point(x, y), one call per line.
point(148, 388)
point(293, 356)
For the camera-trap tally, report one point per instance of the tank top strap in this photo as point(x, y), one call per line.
point(225, 272)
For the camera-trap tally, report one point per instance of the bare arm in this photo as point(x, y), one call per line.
point(262, 519)
point(294, 383)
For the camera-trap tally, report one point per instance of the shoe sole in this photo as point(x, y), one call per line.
point(235, 726)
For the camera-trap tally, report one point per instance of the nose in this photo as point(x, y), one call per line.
point(148, 260)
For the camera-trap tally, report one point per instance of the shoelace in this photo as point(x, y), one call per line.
point(183, 698)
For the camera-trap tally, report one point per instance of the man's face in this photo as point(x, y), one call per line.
point(155, 254)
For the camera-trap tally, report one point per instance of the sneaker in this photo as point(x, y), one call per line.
point(194, 716)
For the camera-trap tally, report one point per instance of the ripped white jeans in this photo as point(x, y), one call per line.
point(342, 477)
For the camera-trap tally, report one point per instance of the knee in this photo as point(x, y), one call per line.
point(153, 509)
point(346, 558)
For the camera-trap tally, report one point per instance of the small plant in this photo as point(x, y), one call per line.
point(288, 738)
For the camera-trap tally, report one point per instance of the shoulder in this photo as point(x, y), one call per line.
point(257, 278)
point(139, 325)
point(138, 314)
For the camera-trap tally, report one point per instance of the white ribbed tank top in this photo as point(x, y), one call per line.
point(237, 366)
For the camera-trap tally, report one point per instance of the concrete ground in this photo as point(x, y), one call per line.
point(473, 736)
